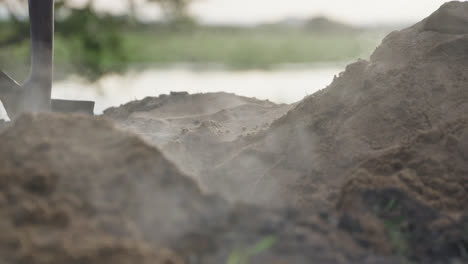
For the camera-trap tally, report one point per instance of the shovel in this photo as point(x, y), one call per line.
point(35, 93)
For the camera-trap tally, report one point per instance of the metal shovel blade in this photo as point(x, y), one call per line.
point(72, 106)
point(7, 83)
point(10, 94)
point(11, 97)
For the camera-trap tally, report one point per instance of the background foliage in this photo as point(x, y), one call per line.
point(91, 44)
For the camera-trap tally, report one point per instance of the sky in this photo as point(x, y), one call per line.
point(352, 11)
point(358, 12)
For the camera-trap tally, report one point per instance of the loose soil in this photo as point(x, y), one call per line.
point(416, 80)
point(74, 189)
point(372, 169)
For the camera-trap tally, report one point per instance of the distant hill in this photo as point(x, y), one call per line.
point(324, 24)
point(316, 24)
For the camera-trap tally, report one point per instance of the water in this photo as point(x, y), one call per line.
point(286, 85)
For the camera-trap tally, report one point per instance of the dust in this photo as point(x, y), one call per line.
point(74, 189)
point(296, 155)
point(197, 131)
point(69, 190)
point(416, 79)
point(372, 169)
point(105, 170)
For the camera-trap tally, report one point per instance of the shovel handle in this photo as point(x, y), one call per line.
point(37, 89)
point(41, 16)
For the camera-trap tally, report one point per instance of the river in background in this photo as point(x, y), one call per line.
point(285, 85)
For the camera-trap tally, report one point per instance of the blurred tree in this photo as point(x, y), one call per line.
point(18, 30)
point(175, 11)
point(90, 44)
point(94, 39)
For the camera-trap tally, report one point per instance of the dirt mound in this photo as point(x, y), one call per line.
point(281, 237)
point(180, 104)
point(75, 189)
point(451, 18)
point(415, 80)
point(197, 131)
point(418, 192)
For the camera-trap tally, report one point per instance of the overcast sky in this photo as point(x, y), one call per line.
point(255, 11)
point(351, 11)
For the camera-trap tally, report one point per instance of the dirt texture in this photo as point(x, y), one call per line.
point(373, 169)
point(197, 131)
point(297, 155)
point(416, 79)
point(74, 189)
point(416, 194)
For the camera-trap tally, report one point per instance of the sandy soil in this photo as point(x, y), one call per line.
point(197, 131)
point(372, 169)
point(69, 191)
point(416, 192)
point(297, 155)
point(74, 189)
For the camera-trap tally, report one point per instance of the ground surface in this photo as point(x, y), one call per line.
point(372, 169)
point(197, 131)
point(299, 154)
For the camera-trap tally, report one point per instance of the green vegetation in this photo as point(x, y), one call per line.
point(394, 224)
point(95, 54)
point(391, 204)
point(91, 44)
point(244, 255)
point(245, 48)
point(397, 237)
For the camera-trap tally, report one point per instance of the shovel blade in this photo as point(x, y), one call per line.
point(10, 96)
point(10, 93)
point(72, 106)
point(7, 83)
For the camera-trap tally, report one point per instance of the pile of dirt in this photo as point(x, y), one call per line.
point(377, 164)
point(415, 80)
point(451, 19)
point(282, 237)
point(416, 195)
point(181, 104)
point(197, 131)
point(74, 189)
point(297, 155)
